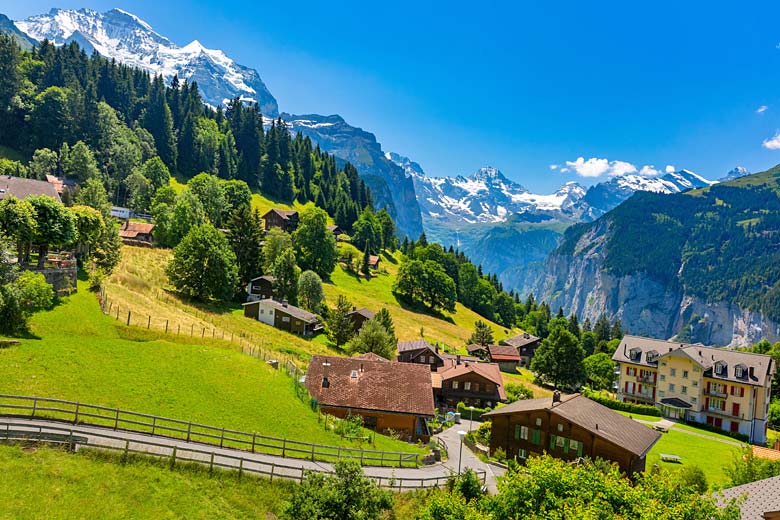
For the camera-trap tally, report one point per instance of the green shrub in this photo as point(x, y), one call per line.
point(640, 409)
point(466, 413)
point(517, 391)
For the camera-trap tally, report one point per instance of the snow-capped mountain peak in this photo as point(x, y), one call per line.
point(125, 37)
point(736, 173)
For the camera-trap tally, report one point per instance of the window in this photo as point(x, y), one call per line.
point(476, 387)
point(673, 372)
point(430, 360)
point(684, 389)
point(262, 311)
point(560, 442)
point(671, 387)
point(560, 427)
point(270, 312)
point(536, 437)
point(467, 385)
point(685, 374)
point(286, 319)
point(521, 432)
point(695, 369)
point(693, 400)
point(695, 383)
point(538, 421)
point(738, 371)
point(661, 393)
point(454, 385)
point(521, 453)
point(663, 377)
point(575, 446)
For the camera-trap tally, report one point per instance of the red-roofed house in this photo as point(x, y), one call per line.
point(475, 384)
point(505, 356)
point(136, 233)
point(388, 395)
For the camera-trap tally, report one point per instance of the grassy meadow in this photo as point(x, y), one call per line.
point(76, 353)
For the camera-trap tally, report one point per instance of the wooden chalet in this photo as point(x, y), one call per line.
point(260, 288)
point(420, 351)
point(360, 316)
point(283, 316)
point(388, 395)
point(137, 233)
point(526, 345)
point(568, 428)
point(373, 262)
point(465, 379)
point(286, 220)
point(505, 356)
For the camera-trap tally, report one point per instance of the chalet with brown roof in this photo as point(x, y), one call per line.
point(23, 188)
point(725, 388)
point(286, 220)
point(480, 351)
point(283, 316)
point(759, 500)
point(360, 316)
point(505, 356)
point(420, 351)
point(526, 345)
point(333, 228)
point(260, 288)
point(137, 233)
point(373, 262)
point(464, 379)
point(388, 395)
point(568, 428)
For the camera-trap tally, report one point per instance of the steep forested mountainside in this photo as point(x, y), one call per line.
point(704, 265)
point(390, 186)
point(8, 27)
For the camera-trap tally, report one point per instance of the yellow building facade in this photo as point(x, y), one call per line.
point(721, 387)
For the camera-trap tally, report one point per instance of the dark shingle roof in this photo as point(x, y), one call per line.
point(23, 188)
point(489, 371)
point(475, 348)
point(706, 357)
point(133, 229)
point(381, 385)
point(590, 415)
point(417, 344)
point(521, 340)
point(367, 313)
point(762, 496)
point(284, 213)
point(266, 277)
point(286, 308)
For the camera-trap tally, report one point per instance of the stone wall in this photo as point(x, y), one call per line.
point(62, 279)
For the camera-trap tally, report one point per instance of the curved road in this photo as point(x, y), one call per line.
point(96, 436)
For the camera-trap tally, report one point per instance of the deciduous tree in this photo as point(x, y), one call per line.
point(203, 265)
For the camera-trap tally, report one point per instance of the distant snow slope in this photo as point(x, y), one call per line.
point(128, 39)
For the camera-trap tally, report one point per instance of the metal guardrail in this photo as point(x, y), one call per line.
point(73, 437)
point(117, 419)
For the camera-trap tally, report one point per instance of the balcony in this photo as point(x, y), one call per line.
point(724, 413)
point(715, 393)
point(647, 378)
point(641, 395)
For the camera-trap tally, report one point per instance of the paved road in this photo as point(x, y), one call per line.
point(451, 438)
point(283, 467)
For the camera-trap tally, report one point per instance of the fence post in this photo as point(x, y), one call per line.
point(284, 446)
point(116, 420)
point(76, 418)
point(240, 467)
point(189, 429)
point(173, 457)
point(178, 331)
point(192, 327)
point(254, 436)
point(35, 406)
point(128, 318)
point(154, 424)
point(117, 312)
point(110, 305)
point(203, 333)
point(222, 438)
point(213, 332)
point(127, 449)
point(312, 452)
point(273, 466)
point(148, 322)
point(166, 326)
point(211, 464)
point(301, 475)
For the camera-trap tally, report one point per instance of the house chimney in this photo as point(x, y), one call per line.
point(458, 360)
point(361, 367)
point(284, 302)
point(325, 382)
point(556, 397)
point(750, 371)
point(437, 347)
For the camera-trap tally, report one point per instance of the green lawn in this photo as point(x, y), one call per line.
point(85, 356)
point(648, 418)
point(53, 484)
point(526, 378)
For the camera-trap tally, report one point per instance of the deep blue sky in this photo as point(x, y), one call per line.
point(464, 84)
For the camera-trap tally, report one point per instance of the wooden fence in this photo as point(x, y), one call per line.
point(73, 437)
point(117, 419)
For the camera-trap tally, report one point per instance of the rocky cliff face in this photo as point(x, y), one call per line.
point(577, 281)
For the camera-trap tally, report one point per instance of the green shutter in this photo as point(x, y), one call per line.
point(579, 449)
point(552, 442)
point(536, 437)
point(517, 432)
point(566, 445)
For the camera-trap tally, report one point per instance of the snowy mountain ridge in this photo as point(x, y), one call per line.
point(128, 39)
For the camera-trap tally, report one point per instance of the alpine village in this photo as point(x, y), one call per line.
point(213, 309)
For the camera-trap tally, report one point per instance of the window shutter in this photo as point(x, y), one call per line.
point(708, 387)
point(640, 388)
point(552, 442)
point(732, 390)
point(628, 371)
point(707, 401)
point(735, 409)
point(626, 390)
point(742, 392)
point(517, 432)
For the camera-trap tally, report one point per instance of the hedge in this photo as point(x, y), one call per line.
point(465, 412)
point(640, 409)
point(714, 429)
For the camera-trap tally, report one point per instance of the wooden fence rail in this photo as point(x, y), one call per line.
point(74, 437)
point(117, 419)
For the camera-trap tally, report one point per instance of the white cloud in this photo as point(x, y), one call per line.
point(649, 170)
point(595, 167)
point(555, 166)
point(670, 168)
point(773, 143)
point(564, 170)
point(762, 109)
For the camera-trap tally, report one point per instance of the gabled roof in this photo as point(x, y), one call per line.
point(366, 313)
point(286, 308)
point(503, 353)
point(283, 213)
point(474, 347)
point(373, 260)
point(417, 344)
point(762, 365)
point(488, 371)
point(593, 417)
point(762, 496)
point(333, 228)
point(377, 385)
point(521, 340)
point(23, 188)
point(133, 229)
point(266, 277)
point(370, 356)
